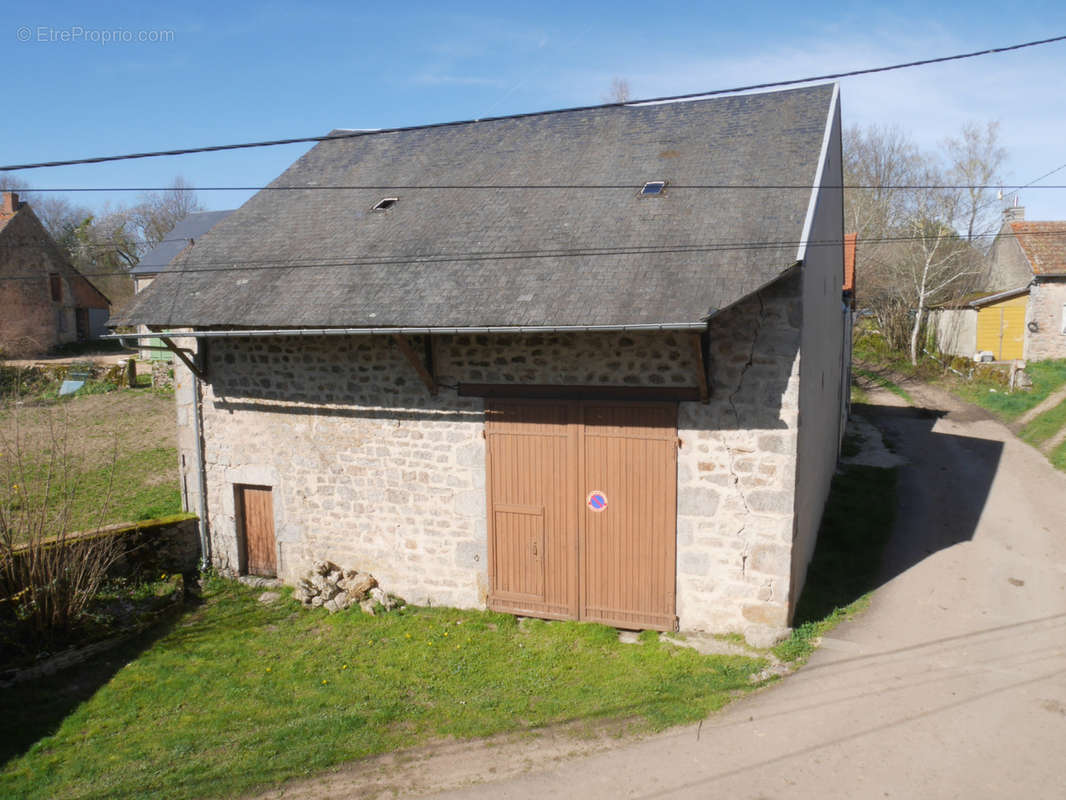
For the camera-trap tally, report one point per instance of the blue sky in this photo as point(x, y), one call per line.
point(234, 72)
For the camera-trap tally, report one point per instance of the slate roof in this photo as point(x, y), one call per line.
point(189, 229)
point(1044, 245)
point(503, 256)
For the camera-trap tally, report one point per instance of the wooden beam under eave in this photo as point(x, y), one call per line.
point(412, 358)
point(701, 367)
point(180, 353)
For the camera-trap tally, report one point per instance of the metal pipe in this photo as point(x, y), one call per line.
point(201, 468)
point(253, 333)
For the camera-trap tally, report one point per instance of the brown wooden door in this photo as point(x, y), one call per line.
point(550, 553)
point(255, 521)
point(532, 466)
point(628, 550)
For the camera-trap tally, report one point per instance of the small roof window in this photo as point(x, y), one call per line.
point(653, 187)
point(384, 204)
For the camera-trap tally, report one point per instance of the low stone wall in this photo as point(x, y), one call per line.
point(154, 547)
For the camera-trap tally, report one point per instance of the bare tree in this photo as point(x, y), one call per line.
point(976, 158)
point(912, 253)
point(47, 575)
point(619, 91)
point(156, 213)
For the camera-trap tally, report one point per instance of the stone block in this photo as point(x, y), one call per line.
point(697, 502)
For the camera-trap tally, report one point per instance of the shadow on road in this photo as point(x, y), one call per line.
point(880, 522)
point(941, 492)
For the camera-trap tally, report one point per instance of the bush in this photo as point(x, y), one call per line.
point(47, 578)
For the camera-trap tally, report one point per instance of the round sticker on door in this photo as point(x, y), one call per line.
point(597, 501)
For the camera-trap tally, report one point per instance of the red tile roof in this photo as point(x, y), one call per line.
point(849, 261)
point(1044, 245)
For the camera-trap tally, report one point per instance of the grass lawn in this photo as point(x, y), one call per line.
point(132, 432)
point(239, 695)
point(1046, 425)
point(1058, 457)
point(1047, 377)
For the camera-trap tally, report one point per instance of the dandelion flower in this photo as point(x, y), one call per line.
point(268, 669)
point(345, 667)
point(446, 633)
point(407, 636)
point(324, 681)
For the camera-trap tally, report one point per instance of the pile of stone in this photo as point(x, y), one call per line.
point(334, 589)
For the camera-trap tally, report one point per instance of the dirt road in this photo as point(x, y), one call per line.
point(953, 684)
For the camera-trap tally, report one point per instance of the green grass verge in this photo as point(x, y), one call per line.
point(1047, 376)
point(240, 695)
point(144, 486)
point(1046, 425)
point(856, 526)
point(1058, 457)
point(884, 383)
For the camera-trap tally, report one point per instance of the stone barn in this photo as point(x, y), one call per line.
point(578, 365)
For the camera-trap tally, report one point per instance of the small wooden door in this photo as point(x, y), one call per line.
point(255, 523)
point(532, 467)
point(556, 552)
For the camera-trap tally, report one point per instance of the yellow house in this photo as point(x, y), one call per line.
point(1001, 323)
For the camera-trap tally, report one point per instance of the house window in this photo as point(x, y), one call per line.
point(1064, 319)
point(384, 204)
point(653, 188)
point(56, 286)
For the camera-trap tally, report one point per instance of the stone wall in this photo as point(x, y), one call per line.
point(1047, 308)
point(1008, 268)
point(580, 359)
point(369, 471)
point(736, 470)
point(150, 548)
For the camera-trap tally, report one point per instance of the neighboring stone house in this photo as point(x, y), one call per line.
point(570, 365)
point(46, 302)
point(1022, 315)
point(174, 246)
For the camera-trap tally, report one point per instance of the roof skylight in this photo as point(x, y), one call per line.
point(384, 204)
point(653, 187)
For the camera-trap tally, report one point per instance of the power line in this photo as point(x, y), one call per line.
point(553, 186)
point(664, 99)
point(514, 255)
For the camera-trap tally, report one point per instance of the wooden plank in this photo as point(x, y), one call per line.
point(413, 359)
point(696, 341)
point(256, 518)
point(630, 548)
point(530, 543)
point(545, 392)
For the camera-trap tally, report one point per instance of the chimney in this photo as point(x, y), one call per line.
point(10, 203)
point(1014, 213)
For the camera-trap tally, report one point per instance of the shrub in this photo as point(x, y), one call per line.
point(47, 577)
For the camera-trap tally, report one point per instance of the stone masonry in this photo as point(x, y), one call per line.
point(368, 469)
point(1047, 309)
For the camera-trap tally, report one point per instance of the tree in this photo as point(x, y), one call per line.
point(909, 209)
point(619, 91)
point(976, 158)
point(156, 213)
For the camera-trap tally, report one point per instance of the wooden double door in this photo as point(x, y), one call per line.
point(582, 503)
